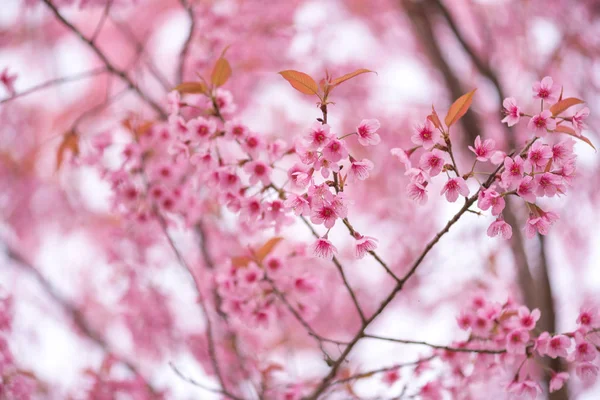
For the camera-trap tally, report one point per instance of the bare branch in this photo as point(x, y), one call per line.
point(186, 45)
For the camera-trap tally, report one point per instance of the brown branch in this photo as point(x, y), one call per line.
point(102, 21)
point(188, 41)
point(434, 346)
point(109, 66)
point(57, 81)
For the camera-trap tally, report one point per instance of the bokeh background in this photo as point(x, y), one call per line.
point(68, 262)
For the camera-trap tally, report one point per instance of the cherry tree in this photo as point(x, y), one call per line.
point(299, 200)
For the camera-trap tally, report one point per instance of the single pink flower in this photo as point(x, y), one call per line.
point(513, 112)
point(390, 377)
point(323, 248)
point(235, 130)
point(563, 151)
point(432, 162)
point(360, 169)
point(324, 214)
point(539, 223)
point(541, 123)
point(527, 319)
point(541, 343)
point(539, 154)
point(526, 389)
point(318, 135)
point(549, 184)
point(454, 187)
point(516, 341)
point(557, 381)
point(586, 371)
point(527, 189)
point(335, 150)
point(578, 118)
point(490, 198)
point(258, 171)
point(500, 227)
point(588, 318)
point(425, 135)
point(367, 132)
point(417, 192)
point(558, 346)
point(546, 90)
point(584, 350)
point(513, 171)
point(201, 129)
point(298, 204)
point(363, 245)
point(484, 150)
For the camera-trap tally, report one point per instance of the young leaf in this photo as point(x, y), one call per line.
point(571, 131)
point(221, 72)
point(351, 75)
point(240, 262)
point(267, 248)
point(459, 108)
point(301, 82)
point(70, 142)
point(435, 120)
point(564, 105)
point(191, 88)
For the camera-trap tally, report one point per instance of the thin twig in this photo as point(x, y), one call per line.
point(109, 66)
point(434, 346)
point(188, 41)
point(57, 81)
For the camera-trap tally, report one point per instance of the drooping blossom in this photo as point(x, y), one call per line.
point(513, 112)
point(483, 150)
point(455, 187)
point(367, 132)
point(546, 90)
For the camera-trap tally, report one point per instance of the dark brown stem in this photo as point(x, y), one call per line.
point(109, 66)
point(188, 41)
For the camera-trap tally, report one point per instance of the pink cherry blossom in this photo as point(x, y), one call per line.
point(500, 227)
point(484, 150)
point(586, 371)
point(549, 184)
point(259, 171)
point(513, 171)
point(527, 389)
point(363, 245)
point(366, 131)
point(490, 198)
point(557, 381)
point(455, 187)
point(527, 189)
point(546, 90)
point(516, 341)
point(539, 154)
point(360, 169)
point(319, 135)
point(558, 346)
point(417, 192)
point(201, 129)
point(432, 162)
point(584, 350)
point(563, 151)
point(541, 123)
point(539, 223)
point(335, 150)
point(541, 343)
point(589, 318)
point(425, 135)
point(235, 130)
point(323, 248)
point(578, 119)
point(513, 112)
point(392, 376)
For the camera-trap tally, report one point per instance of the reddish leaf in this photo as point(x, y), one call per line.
point(192, 88)
point(240, 262)
point(435, 120)
point(351, 75)
point(221, 72)
point(459, 108)
point(267, 248)
point(564, 105)
point(301, 82)
point(571, 131)
point(70, 142)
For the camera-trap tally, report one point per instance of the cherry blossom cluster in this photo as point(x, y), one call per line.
point(251, 292)
point(543, 169)
point(512, 330)
point(322, 152)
